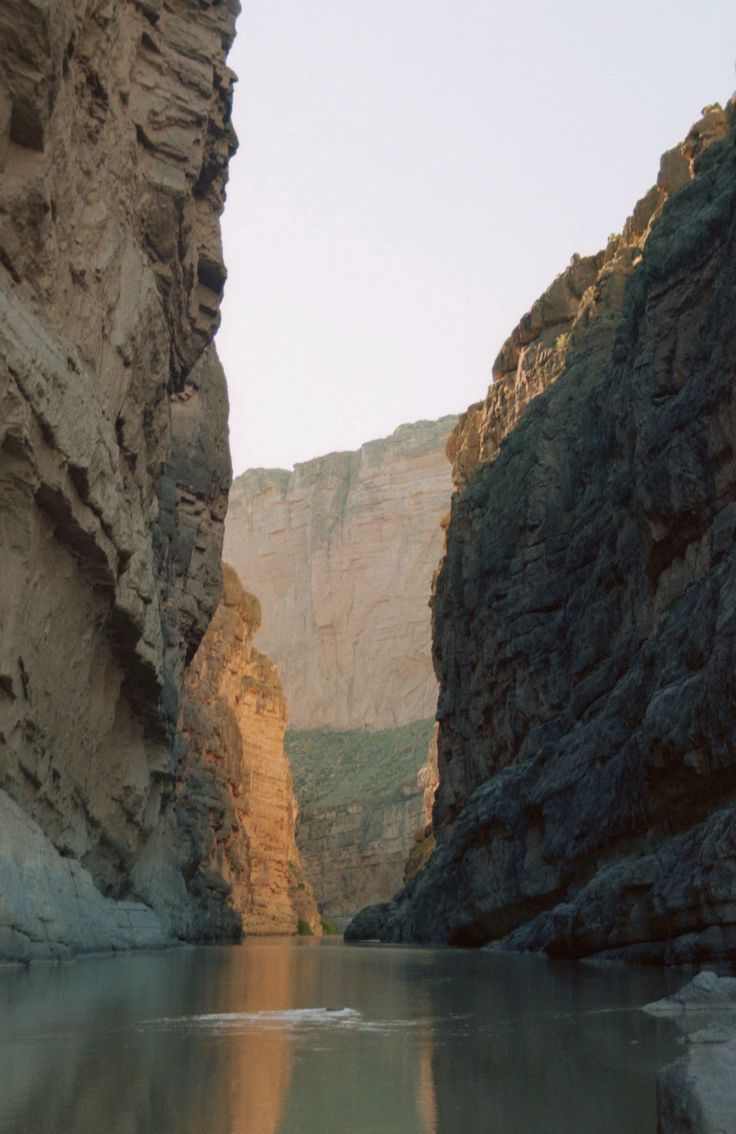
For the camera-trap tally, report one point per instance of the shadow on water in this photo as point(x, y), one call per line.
point(299, 1037)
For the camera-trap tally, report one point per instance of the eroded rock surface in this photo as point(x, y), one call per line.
point(706, 992)
point(365, 809)
point(341, 553)
point(697, 1093)
point(584, 633)
point(235, 795)
point(114, 140)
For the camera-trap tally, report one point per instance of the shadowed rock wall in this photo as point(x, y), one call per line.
point(114, 140)
point(584, 633)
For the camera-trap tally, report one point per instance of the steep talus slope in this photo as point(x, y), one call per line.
point(235, 795)
point(341, 553)
point(114, 140)
point(584, 613)
point(365, 801)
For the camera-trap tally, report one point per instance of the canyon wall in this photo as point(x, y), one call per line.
point(235, 794)
point(341, 553)
point(583, 615)
point(114, 141)
point(365, 806)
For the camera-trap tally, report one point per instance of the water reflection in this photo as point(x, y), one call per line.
point(317, 1038)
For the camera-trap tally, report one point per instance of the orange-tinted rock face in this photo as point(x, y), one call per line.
point(235, 792)
point(341, 553)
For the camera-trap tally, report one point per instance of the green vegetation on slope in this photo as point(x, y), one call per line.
point(333, 766)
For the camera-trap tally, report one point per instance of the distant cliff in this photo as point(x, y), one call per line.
point(114, 141)
point(584, 617)
point(341, 553)
point(365, 805)
point(235, 795)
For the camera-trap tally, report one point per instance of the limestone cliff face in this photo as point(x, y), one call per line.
point(114, 140)
point(235, 795)
point(341, 553)
point(365, 808)
point(584, 633)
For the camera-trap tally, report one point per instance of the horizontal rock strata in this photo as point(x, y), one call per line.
point(366, 803)
point(584, 633)
point(235, 795)
point(341, 553)
point(114, 140)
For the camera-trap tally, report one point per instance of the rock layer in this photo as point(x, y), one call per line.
point(114, 140)
point(584, 633)
point(365, 814)
point(341, 553)
point(236, 796)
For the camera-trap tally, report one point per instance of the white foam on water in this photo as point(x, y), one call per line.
point(285, 1019)
point(289, 1019)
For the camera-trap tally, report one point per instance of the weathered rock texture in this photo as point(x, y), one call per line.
point(584, 614)
point(366, 805)
point(236, 796)
point(697, 1093)
point(114, 467)
point(341, 553)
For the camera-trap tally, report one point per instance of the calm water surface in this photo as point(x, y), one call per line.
point(308, 1037)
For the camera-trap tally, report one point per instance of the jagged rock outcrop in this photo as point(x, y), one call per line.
point(584, 612)
point(341, 553)
point(365, 808)
point(114, 140)
point(235, 795)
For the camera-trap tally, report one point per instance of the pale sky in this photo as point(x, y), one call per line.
point(412, 174)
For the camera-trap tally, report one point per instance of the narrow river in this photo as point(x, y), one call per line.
point(309, 1037)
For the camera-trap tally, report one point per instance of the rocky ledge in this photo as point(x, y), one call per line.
point(697, 1093)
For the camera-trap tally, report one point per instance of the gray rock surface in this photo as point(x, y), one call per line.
point(697, 1093)
point(705, 992)
point(584, 613)
point(114, 469)
point(50, 907)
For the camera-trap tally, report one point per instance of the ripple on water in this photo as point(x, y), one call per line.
point(284, 1020)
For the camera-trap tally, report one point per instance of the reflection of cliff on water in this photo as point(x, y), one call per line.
point(533, 1045)
point(92, 1047)
point(305, 1037)
point(377, 1077)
